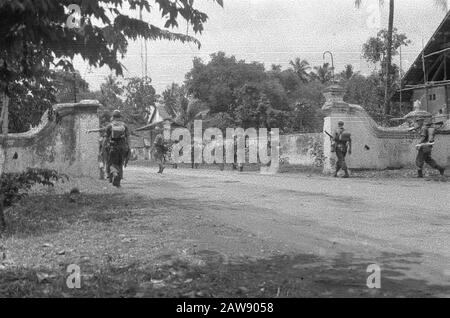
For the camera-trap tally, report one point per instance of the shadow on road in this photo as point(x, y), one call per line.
point(213, 275)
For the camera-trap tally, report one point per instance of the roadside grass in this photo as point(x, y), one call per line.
point(128, 245)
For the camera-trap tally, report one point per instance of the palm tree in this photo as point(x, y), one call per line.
point(387, 105)
point(301, 68)
point(323, 73)
point(348, 72)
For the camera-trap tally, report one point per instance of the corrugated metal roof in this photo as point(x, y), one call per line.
point(439, 41)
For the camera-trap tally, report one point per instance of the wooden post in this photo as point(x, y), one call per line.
point(445, 66)
point(446, 99)
point(446, 86)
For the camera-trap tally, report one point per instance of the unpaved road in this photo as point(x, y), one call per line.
point(403, 226)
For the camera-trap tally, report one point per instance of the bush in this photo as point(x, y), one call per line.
point(14, 186)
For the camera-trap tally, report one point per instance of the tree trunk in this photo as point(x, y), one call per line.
point(387, 91)
point(4, 125)
point(2, 215)
point(5, 112)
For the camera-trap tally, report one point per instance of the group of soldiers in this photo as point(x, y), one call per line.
point(342, 145)
point(115, 150)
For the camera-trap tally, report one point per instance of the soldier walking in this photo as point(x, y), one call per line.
point(118, 136)
point(343, 145)
point(160, 149)
point(425, 147)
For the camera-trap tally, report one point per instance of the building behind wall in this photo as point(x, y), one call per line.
point(428, 79)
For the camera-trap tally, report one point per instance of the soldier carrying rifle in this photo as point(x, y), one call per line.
point(341, 144)
point(115, 147)
point(425, 147)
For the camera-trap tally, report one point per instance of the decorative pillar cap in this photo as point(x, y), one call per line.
point(334, 93)
point(418, 113)
point(334, 99)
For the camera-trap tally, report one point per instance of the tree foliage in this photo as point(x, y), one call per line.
point(216, 81)
point(14, 186)
point(110, 98)
point(140, 99)
point(35, 34)
point(29, 100)
point(175, 100)
point(37, 37)
point(70, 87)
point(375, 49)
point(323, 73)
point(302, 69)
point(244, 94)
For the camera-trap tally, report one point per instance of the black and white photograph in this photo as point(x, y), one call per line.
point(227, 155)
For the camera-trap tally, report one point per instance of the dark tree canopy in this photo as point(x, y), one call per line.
point(35, 34)
point(140, 99)
point(37, 37)
point(70, 86)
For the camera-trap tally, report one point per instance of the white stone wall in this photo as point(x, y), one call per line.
point(373, 146)
point(61, 144)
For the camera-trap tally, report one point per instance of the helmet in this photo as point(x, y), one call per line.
point(116, 114)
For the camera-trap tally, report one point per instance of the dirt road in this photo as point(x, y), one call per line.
point(403, 226)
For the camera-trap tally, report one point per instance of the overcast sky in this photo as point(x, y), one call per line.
point(277, 31)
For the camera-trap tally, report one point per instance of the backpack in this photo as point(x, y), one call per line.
point(118, 130)
point(342, 137)
point(161, 144)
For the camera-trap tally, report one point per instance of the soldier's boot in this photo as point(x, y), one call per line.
point(419, 173)
point(441, 171)
point(338, 168)
point(116, 180)
point(241, 168)
point(346, 175)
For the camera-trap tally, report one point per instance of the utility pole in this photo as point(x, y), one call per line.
point(401, 79)
point(332, 63)
point(74, 87)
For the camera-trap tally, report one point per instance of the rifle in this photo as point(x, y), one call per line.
point(333, 142)
point(425, 144)
point(331, 137)
point(127, 158)
point(96, 130)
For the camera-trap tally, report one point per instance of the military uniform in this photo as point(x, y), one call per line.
point(104, 157)
point(424, 152)
point(118, 136)
point(160, 151)
point(342, 145)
